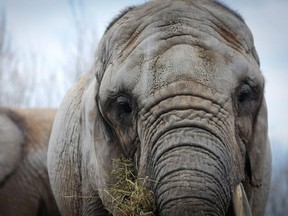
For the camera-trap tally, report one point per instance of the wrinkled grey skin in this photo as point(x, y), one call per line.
point(176, 87)
point(24, 182)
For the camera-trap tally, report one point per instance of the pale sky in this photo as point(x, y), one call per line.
point(46, 28)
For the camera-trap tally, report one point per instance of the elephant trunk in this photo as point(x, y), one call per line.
point(191, 168)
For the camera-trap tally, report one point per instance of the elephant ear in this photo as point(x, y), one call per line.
point(259, 152)
point(259, 157)
point(64, 155)
point(80, 150)
point(99, 147)
point(11, 140)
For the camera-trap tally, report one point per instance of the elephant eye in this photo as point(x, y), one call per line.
point(123, 105)
point(246, 93)
point(247, 99)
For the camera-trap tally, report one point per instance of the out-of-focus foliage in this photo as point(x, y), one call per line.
point(14, 86)
point(29, 80)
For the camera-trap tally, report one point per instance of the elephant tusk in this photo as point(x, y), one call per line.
point(240, 203)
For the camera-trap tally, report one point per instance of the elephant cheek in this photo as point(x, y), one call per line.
point(191, 172)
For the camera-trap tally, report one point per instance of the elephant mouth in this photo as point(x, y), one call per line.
point(241, 205)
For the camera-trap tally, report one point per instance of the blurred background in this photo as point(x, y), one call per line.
point(45, 45)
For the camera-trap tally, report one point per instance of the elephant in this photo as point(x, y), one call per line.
point(24, 182)
point(176, 88)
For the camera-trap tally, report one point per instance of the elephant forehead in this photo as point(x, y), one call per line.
point(187, 63)
point(165, 41)
point(178, 63)
point(202, 23)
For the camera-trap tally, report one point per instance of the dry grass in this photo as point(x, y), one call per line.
point(130, 196)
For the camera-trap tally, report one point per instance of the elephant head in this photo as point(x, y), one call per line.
point(24, 182)
point(177, 88)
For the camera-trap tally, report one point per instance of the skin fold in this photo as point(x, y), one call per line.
point(24, 182)
point(177, 88)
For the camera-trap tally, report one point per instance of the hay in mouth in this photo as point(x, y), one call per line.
point(129, 195)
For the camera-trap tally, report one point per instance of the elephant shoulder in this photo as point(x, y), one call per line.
point(11, 141)
point(37, 125)
point(23, 134)
point(24, 137)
